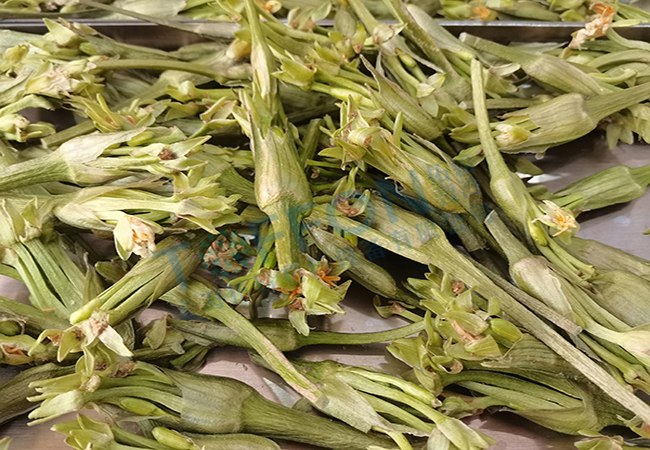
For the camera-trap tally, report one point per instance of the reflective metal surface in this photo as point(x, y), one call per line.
point(144, 33)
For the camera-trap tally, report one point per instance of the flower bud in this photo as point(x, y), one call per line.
point(281, 189)
point(141, 407)
point(442, 38)
point(239, 48)
point(549, 70)
point(484, 347)
point(605, 257)
point(618, 184)
point(462, 436)
point(602, 443)
point(172, 439)
point(295, 73)
point(623, 294)
point(527, 10)
point(637, 342)
point(570, 116)
point(511, 135)
point(529, 355)
point(22, 349)
point(134, 235)
point(366, 273)
point(9, 327)
point(506, 329)
point(394, 100)
point(534, 274)
point(176, 259)
point(13, 57)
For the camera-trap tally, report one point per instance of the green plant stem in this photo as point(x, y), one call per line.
point(87, 126)
point(310, 141)
point(358, 77)
point(193, 352)
point(282, 334)
point(519, 394)
point(113, 395)
point(637, 376)
point(385, 407)
point(286, 231)
point(407, 81)
point(440, 253)
point(604, 105)
point(10, 272)
point(217, 30)
point(201, 299)
point(149, 354)
point(162, 65)
point(420, 37)
point(34, 171)
point(34, 319)
point(41, 295)
point(14, 392)
point(531, 302)
point(67, 284)
point(269, 419)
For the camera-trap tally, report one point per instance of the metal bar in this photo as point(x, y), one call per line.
point(144, 33)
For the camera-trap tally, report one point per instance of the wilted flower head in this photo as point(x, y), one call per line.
point(559, 218)
point(597, 27)
point(226, 251)
point(85, 336)
point(307, 291)
point(511, 135)
point(637, 342)
point(383, 33)
point(360, 128)
point(240, 47)
point(135, 235)
point(22, 349)
point(12, 59)
point(459, 435)
point(15, 127)
point(601, 443)
point(482, 13)
point(55, 82)
point(270, 6)
point(305, 18)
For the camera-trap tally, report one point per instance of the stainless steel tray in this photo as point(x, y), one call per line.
point(621, 226)
point(144, 33)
